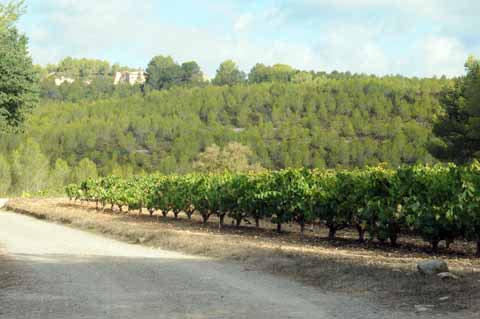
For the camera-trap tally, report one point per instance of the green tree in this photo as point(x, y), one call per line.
point(191, 73)
point(234, 157)
point(18, 79)
point(82, 68)
point(60, 175)
point(163, 72)
point(29, 168)
point(459, 128)
point(229, 74)
point(85, 169)
point(10, 12)
point(285, 124)
point(5, 176)
point(279, 72)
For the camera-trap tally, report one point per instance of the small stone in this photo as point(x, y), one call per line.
point(444, 298)
point(423, 308)
point(447, 275)
point(432, 267)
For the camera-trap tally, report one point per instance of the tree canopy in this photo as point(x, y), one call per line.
point(163, 72)
point(228, 73)
point(18, 78)
point(10, 12)
point(234, 157)
point(279, 72)
point(459, 127)
point(333, 120)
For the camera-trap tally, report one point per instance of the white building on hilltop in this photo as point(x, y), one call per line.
point(135, 77)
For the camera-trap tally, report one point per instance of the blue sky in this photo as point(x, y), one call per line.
point(409, 37)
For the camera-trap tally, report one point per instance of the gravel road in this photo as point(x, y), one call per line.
point(67, 273)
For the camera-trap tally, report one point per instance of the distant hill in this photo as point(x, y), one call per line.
point(332, 121)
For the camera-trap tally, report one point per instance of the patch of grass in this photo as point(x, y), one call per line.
point(370, 270)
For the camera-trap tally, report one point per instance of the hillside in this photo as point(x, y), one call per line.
point(348, 121)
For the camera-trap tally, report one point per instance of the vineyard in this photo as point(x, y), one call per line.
point(437, 203)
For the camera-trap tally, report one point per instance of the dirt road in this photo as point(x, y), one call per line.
point(67, 273)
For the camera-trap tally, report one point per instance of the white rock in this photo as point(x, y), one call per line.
point(3, 201)
point(432, 267)
point(423, 308)
point(443, 298)
point(447, 275)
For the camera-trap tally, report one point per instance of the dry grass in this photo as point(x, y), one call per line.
point(374, 271)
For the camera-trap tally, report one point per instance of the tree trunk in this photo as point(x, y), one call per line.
point(257, 222)
point(361, 233)
point(205, 218)
point(120, 208)
point(393, 239)
point(238, 221)
point(434, 244)
point(332, 232)
point(279, 228)
point(175, 214)
point(221, 221)
point(478, 249)
point(164, 213)
point(448, 242)
point(302, 227)
point(189, 214)
point(151, 211)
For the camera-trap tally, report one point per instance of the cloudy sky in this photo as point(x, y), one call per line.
point(409, 37)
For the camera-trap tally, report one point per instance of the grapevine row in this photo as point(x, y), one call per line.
point(435, 202)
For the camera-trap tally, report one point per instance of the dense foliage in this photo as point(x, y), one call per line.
point(354, 121)
point(10, 12)
point(459, 126)
point(163, 72)
point(435, 202)
point(100, 87)
point(228, 73)
point(18, 78)
point(81, 69)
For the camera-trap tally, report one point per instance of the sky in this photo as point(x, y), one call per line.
point(409, 37)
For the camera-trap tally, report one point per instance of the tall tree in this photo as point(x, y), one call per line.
point(234, 157)
point(459, 127)
point(5, 176)
point(18, 78)
point(191, 72)
point(59, 176)
point(10, 12)
point(163, 72)
point(29, 168)
point(278, 72)
point(229, 74)
point(85, 169)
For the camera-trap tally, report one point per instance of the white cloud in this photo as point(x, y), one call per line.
point(243, 22)
point(89, 26)
point(442, 53)
point(131, 30)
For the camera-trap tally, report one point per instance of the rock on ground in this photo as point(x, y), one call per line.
point(432, 267)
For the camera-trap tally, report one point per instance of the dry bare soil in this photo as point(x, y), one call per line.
point(372, 271)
